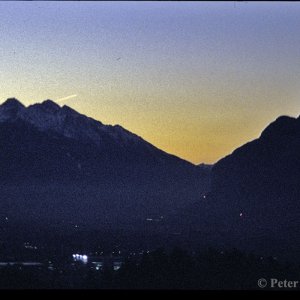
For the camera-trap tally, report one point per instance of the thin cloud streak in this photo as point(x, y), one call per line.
point(65, 98)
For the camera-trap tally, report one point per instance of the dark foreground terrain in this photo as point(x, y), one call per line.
point(175, 269)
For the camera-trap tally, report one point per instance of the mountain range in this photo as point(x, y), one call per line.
point(59, 164)
point(65, 169)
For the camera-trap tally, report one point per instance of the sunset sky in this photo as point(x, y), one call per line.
point(195, 79)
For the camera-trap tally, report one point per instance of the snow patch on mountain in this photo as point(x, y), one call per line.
point(49, 116)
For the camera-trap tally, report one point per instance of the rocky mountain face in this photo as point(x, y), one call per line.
point(61, 165)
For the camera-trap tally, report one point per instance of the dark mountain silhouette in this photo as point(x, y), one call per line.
point(254, 199)
point(61, 165)
point(261, 180)
point(205, 168)
point(65, 169)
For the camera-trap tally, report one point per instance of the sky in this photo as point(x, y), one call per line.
point(196, 79)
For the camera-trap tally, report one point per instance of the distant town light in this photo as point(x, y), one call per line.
point(80, 257)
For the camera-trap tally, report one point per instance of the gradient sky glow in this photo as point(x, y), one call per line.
point(195, 79)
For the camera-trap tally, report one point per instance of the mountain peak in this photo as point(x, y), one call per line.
point(282, 126)
point(11, 109)
point(13, 103)
point(50, 105)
